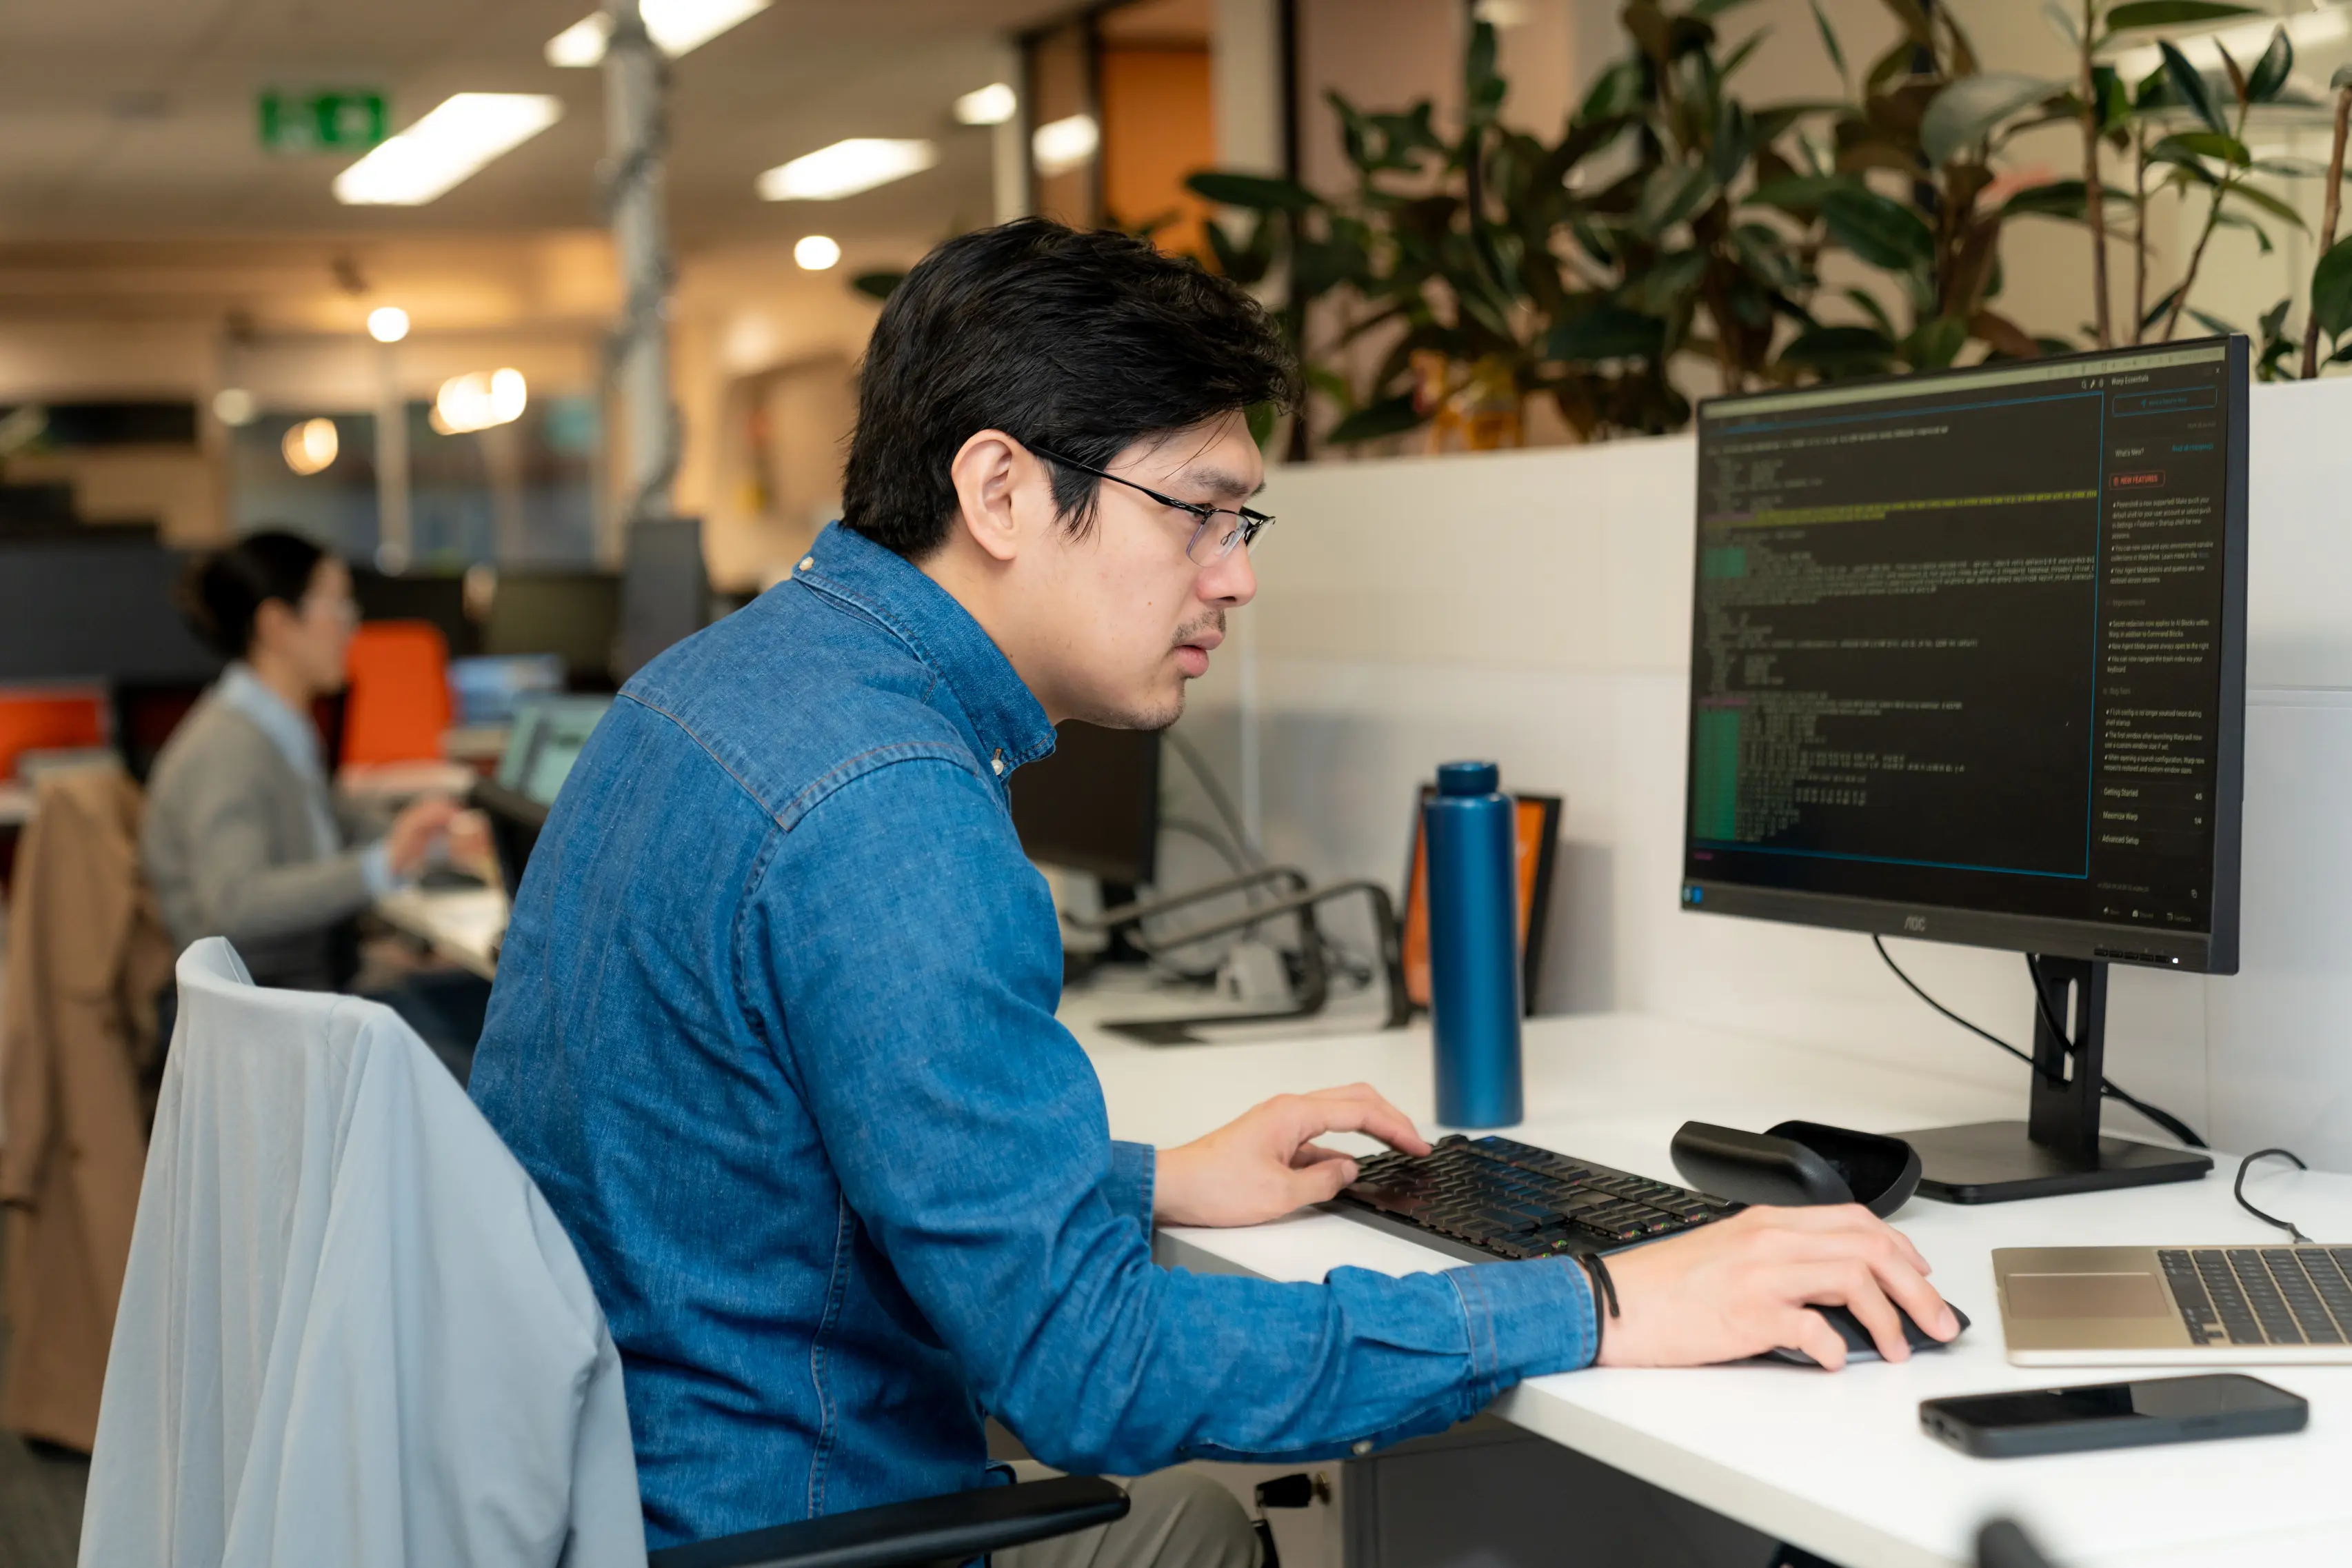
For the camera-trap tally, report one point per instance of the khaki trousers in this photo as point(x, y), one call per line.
point(1178, 1519)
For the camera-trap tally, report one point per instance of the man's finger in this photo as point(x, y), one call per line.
point(1847, 1219)
point(1854, 1286)
point(1345, 1112)
point(1315, 1155)
point(1811, 1333)
point(1321, 1181)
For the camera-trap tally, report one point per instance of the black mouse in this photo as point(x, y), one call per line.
point(1859, 1345)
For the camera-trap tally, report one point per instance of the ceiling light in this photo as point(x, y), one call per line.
point(232, 406)
point(1062, 145)
point(478, 400)
point(846, 168)
point(387, 323)
point(817, 252)
point(310, 446)
point(447, 146)
point(675, 26)
point(991, 105)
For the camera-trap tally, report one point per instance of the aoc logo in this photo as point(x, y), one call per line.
point(1915, 922)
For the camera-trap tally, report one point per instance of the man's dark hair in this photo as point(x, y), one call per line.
point(1085, 343)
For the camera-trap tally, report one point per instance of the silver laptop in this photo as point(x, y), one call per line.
point(2174, 1306)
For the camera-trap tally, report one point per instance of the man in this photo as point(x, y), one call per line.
point(774, 1020)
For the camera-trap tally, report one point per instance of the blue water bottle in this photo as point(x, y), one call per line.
point(1472, 833)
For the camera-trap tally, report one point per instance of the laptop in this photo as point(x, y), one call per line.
point(546, 739)
point(2174, 1306)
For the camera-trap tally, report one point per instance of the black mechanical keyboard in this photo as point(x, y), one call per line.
point(2261, 1295)
point(1493, 1197)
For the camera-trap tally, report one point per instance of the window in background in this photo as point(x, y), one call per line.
point(334, 503)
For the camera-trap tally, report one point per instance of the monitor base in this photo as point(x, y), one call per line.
point(1995, 1162)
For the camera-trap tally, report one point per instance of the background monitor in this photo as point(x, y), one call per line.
point(546, 739)
point(575, 614)
point(1968, 655)
point(664, 589)
point(1094, 805)
point(439, 598)
point(88, 606)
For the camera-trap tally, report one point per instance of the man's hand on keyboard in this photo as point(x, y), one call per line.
point(1267, 1162)
point(1741, 1286)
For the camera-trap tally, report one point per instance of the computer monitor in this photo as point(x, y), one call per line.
point(1094, 805)
point(664, 589)
point(437, 597)
point(91, 607)
point(1968, 663)
point(575, 614)
point(545, 740)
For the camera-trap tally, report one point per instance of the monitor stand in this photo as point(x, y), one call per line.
point(2059, 1150)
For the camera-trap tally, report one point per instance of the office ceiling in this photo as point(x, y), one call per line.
point(136, 120)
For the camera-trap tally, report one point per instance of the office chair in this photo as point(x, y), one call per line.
point(396, 1218)
point(398, 703)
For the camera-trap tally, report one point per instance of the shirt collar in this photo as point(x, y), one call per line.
point(289, 731)
point(1003, 711)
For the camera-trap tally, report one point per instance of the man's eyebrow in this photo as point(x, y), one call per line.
point(1219, 481)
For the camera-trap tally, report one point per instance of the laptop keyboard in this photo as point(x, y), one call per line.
point(2262, 1295)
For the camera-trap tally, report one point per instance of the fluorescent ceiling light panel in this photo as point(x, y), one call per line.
point(675, 26)
point(446, 147)
point(846, 168)
point(1062, 145)
point(991, 105)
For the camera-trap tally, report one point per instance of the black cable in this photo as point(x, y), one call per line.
point(1219, 802)
point(2108, 1088)
point(2286, 1226)
point(1217, 841)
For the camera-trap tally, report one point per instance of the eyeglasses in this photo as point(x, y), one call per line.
point(1211, 542)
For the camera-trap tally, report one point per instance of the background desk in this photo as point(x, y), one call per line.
point(1836, 1464)
point(462, 925)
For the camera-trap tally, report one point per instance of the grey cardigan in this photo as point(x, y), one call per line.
point(231, 846)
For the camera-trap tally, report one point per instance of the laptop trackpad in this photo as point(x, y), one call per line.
point(2132, 1295)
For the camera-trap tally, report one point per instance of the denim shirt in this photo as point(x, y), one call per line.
point(775, 1032)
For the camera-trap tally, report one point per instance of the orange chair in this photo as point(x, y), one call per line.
point(398, 705)
point(48, 718)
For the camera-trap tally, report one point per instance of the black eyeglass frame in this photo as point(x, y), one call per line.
point(1250, 521)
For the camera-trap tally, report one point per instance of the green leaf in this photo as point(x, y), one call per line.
point(2157, 312)
point(2331, 290)
point(877, 285)
point(2270, 72)
point(1870, 306)
point(2171, 13)
point(1259, 192)
point(2183, 145)
point(1829, 38)
point(1607, 331)
point(2188, 89)
point(1390, 416)
point(2212, 323)
point(1936, 342)
point(2267, 202)
point(1969, 109)
point(1833, 352)
point(1801, 194)
point(1670, 195)
point(2062, 21)
point(2342, 78)
point(1667, 286)
point(1261, 418)
point(1881, 231)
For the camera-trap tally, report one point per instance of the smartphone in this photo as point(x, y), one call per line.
point(2113, 1416)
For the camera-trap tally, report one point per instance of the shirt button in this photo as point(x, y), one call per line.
point(807, 562)
point(1360, 1447)
point(998, 764)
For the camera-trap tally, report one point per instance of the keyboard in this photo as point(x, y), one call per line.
point(1492, 1197)
point(2261, 1295)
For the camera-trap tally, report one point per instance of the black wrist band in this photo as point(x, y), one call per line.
point(1604, 1289)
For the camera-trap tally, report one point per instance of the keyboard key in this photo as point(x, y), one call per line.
point(2263, 1296)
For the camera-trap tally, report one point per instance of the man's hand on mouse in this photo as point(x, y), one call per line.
point(1744, 1286)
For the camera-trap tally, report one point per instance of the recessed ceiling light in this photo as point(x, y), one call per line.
point(817, 252)
point(991, 105)
point(234, 406)
point(675, 26)
point(478, 400)
point(1062, 145)
point(846, 168)
point(387, 323)
point(310, 446)
point(446, 147)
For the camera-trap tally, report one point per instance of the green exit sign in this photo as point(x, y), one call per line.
point(344, 119)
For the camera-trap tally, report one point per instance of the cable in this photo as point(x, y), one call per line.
point(1225, 849)
point(2108, 1088)
point(2286, 1226)
point(1219, 802)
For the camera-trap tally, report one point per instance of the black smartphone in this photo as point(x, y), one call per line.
point(2113, 1416)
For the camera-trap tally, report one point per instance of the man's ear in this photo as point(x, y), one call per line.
point(990, 471)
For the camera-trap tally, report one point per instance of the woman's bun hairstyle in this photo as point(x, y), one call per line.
point(222, 594)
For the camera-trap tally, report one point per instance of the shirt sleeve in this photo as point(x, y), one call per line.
point(239, 894)
point(911, 961)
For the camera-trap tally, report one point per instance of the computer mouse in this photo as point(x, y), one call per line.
point(1859, 1345)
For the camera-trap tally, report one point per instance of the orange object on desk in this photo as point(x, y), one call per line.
point(48, 718)
point(398, 703)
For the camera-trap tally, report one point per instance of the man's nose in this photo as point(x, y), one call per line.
point(1231, 581)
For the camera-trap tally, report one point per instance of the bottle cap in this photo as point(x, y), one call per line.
point(1469, 778)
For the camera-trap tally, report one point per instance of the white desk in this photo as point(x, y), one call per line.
point(462, 925)
point(1834, 1463)
point(16, 805)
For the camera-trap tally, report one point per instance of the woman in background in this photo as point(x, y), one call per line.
point(243, 837)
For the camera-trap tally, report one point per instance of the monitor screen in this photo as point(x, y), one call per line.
point(1968, 655)
point(1094, 805)
point(545, 740)
point(575, 614)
